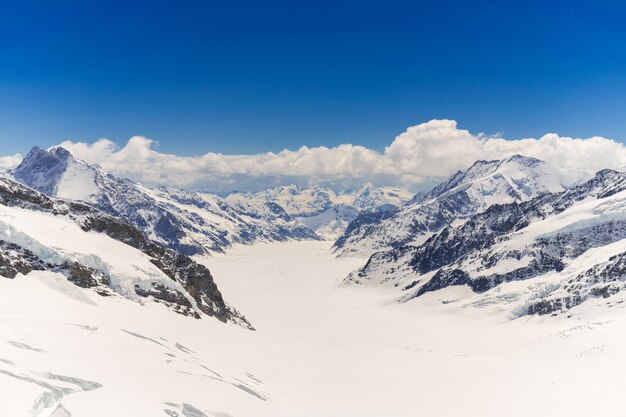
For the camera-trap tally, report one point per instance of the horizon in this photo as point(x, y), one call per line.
point(416, 159)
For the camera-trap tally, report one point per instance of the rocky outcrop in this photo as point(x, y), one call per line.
point(600, 281)
point(16, 260)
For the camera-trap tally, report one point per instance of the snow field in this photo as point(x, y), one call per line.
point(321, 349)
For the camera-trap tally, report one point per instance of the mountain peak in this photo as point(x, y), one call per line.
point(523, 160)
point(483, 167)
point(38, 159)
point(56, 172)
point(482, 163)
point(61, 153)
point(40, 169)
point(520, 157)
point(37, 154)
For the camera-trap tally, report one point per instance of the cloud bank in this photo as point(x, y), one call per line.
point(10, 161)
point(414, 159)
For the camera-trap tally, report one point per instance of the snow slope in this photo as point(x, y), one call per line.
point(100, 254)
point(56, 239)
point(321, 349)
point(331, 222)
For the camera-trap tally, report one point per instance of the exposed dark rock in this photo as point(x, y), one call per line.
point(175, 299)
point(444, 279)
point(82, 276)
point(600, 281)
point(16, 260)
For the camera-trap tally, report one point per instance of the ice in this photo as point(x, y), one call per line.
point(55, 239)
point(320, 349)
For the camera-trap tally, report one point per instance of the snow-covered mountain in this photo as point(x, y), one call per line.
point(87, 317)
point(568, 247)
point(515, 179)
point(331, 222)
point(189, 222)
point(99, 252)
point(325, 211)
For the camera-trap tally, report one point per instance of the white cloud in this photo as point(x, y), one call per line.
point(430, 150)
point(11, 161)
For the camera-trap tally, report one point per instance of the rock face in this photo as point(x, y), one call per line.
point(15, 260)
point(485, 183)
point(600, 281)
point(545, 237)
point(188, 222)
point(325, 211)
point(181, 283)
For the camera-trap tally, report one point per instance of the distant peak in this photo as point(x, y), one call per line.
point(517, 158)
point(607, 173)
point(55, 153)
point(482, 163)
point(479, 168)
point(527, 160)
point(292, 189)
point(61, 152)
point(37, 156)
point(35, 151)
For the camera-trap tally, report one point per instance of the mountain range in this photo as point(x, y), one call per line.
point(563, 247)
point(495, 223)
point(118, 237)
point(514, 259)
point(325, 211)
point(190, 222)
point(464, 194)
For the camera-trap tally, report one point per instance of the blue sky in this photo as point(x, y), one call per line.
point(247, 77)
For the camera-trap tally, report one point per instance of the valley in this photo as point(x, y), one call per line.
point(320, 348)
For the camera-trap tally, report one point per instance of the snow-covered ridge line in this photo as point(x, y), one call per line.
point(186, 221)
point(101, 252)
point(518, 241)
point(485, 183)
point(326, 211)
